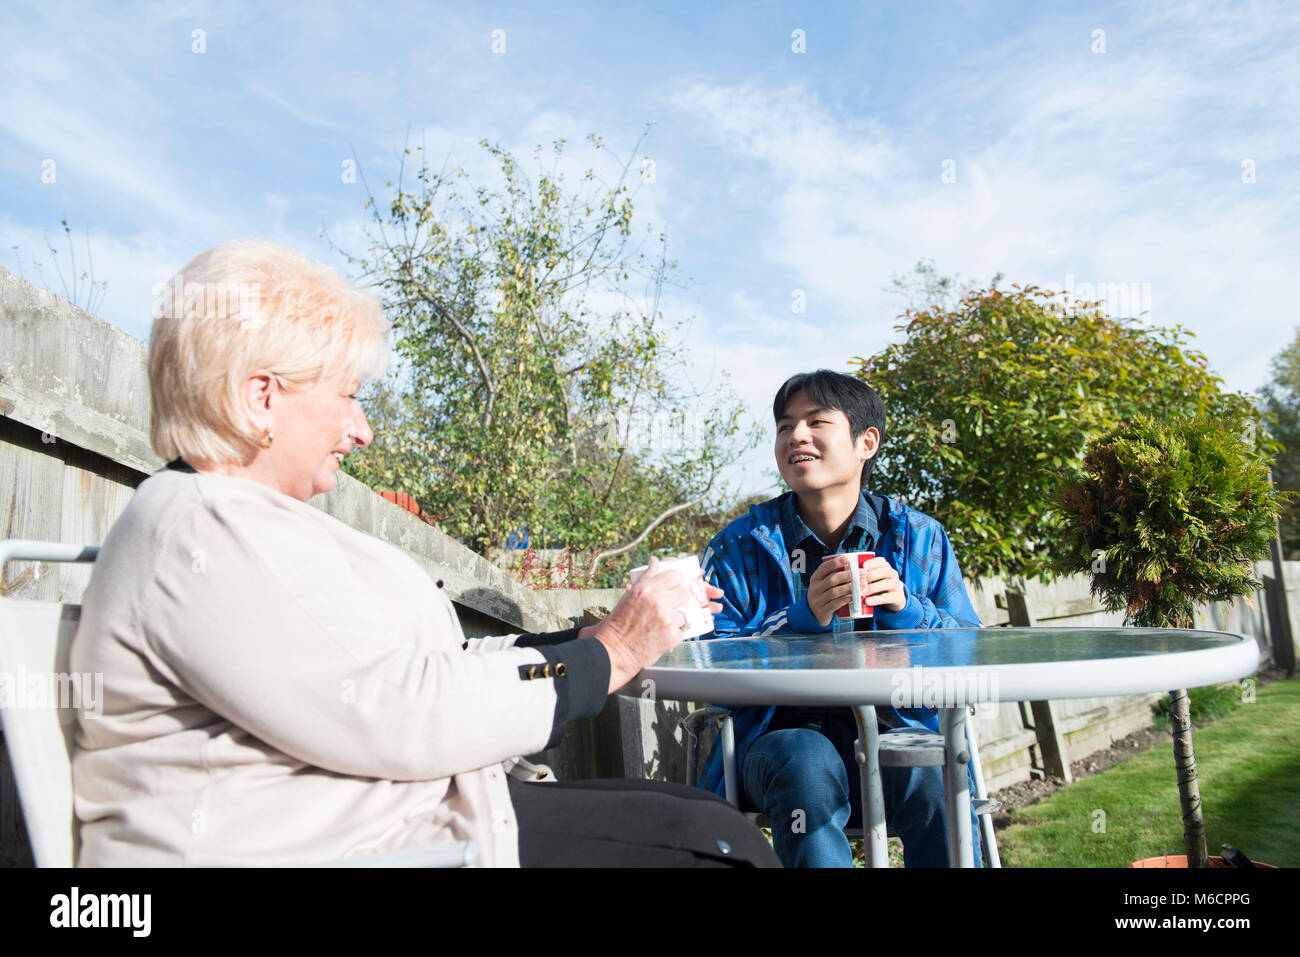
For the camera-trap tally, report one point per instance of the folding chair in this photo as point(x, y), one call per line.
point(914, 749)
point(34, 640)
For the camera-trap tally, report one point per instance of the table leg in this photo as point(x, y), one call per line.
point(985, 821)
point(875, 842)
point(956, 787)
point(730, 786)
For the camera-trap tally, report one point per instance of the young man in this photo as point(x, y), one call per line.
point(796, 765)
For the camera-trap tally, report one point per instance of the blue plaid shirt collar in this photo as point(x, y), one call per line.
point(861, 536)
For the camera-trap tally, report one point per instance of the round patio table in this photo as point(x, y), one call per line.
point(947, 669)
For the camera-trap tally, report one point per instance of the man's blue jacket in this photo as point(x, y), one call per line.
point(749, 560)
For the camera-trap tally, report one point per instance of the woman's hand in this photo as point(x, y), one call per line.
point(646, 622)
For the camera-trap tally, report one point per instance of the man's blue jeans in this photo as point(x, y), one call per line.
point(807, 784)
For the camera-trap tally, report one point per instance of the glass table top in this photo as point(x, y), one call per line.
point(947, 667)
point(939, 648)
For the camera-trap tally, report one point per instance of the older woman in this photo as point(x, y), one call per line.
point(281, 688)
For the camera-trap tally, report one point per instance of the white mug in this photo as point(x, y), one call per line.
point(699, 620)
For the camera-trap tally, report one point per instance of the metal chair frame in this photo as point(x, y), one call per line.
point(918, 749)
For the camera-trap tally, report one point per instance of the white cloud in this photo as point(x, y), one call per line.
point(96, 114)
point(789, 130)
point(305, 117)
point(1108, 178)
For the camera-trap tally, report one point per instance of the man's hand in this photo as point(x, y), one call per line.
point(646, 622)
point(831, 587)
point(882, 586)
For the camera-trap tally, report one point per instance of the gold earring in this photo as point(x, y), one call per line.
point(267, 438)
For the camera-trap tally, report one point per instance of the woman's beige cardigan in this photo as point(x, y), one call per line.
point(280, 688)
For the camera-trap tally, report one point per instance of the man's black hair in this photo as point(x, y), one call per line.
point(859, 402)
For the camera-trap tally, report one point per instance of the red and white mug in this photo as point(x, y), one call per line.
point(857, 606)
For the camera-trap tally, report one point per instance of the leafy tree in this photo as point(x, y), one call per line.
point(1175, 511)
point(989, 405)
point(1164, 516)
point(537, 386)
point(1281, 407)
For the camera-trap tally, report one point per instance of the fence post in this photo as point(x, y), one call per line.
point(1279, 607)
point(1051, 745)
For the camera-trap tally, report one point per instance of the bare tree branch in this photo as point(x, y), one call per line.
point(596, 559)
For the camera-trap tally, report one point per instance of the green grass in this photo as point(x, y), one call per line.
point(1248, 763)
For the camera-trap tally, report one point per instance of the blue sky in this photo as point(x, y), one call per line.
point(774, 170)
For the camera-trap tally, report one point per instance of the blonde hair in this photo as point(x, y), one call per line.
point(238, 308)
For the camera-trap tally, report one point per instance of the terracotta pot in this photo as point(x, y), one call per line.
point(405, 501)
point(1180, 860)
